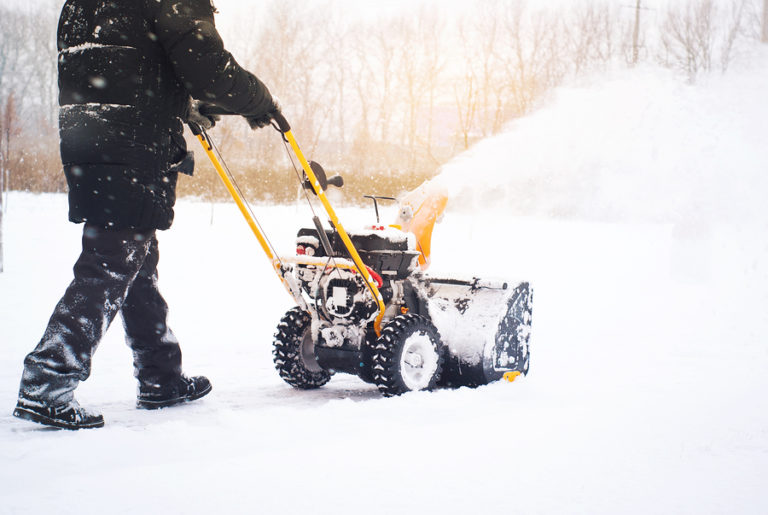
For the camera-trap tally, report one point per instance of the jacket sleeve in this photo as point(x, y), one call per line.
point(187, 32)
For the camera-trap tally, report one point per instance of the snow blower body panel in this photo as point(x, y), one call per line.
point(484, 325)
point(366, 307)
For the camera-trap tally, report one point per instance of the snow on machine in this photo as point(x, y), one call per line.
point(365, 306)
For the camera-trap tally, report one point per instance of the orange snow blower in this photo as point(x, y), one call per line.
point(365, 306)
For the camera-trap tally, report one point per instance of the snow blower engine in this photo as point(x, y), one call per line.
point(365, 306)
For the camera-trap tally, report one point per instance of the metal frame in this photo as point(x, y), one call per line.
point(277, 262)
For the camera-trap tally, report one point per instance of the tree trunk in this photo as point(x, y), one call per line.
point(2, 207)
point(3, 160)
point(636, 35)
point(765, 21)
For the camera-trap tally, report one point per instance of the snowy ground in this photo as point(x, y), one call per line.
point(647, 391)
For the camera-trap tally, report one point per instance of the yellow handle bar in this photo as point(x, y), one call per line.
point(361, 268)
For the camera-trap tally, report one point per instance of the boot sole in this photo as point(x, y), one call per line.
point(147, 404)
point(26, 414)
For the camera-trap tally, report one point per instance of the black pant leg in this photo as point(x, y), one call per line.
point(108, 264)
point(156, 352)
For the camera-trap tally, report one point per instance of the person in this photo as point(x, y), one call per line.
point(128, 70)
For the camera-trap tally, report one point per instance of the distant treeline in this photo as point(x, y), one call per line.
point(382, 102)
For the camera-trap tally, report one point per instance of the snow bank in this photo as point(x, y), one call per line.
point(646, 391)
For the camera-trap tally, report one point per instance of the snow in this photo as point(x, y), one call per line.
point(641, 145)
point(89, 46)
point(648, 349)
point(468, 328)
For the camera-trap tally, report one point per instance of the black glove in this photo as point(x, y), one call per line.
point(262, 120)
point(193, 115)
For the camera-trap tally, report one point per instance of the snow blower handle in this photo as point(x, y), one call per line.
point(214, 110)
point(281, 124)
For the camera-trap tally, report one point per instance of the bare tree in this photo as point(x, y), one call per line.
point(287, 55)
point(383, 54)
point(531, 59)
point(634, 34)
point(338, 56)
point(764, 39)
point(732, 32)
point(420, 62)
point(370, 83)
point(9, 129)
point(41, 58)
point(688, 37)
point(589, 35)
point(13, 25)
point(466, 105)
point(702, 35)
point(487, 29)
point(433, 42)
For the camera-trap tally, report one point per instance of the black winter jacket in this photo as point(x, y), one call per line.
point(126, 71)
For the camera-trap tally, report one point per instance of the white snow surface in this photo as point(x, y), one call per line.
point(649, 348)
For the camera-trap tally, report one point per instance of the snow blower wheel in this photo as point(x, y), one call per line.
point(511, 342)
point(294, 352)
point(408, 356)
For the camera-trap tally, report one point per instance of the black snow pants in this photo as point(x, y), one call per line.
point(116, 271)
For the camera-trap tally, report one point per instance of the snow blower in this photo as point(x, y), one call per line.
point(365, 306)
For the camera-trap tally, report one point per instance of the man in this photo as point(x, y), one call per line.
point(127, 72)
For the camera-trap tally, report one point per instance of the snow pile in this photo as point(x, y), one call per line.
point(641, 145)
point(645, 393)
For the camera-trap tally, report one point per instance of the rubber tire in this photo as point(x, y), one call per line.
point(387, 351)
point(286, 352)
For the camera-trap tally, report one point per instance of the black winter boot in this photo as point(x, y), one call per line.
point(183, 389)
point(65, 416)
